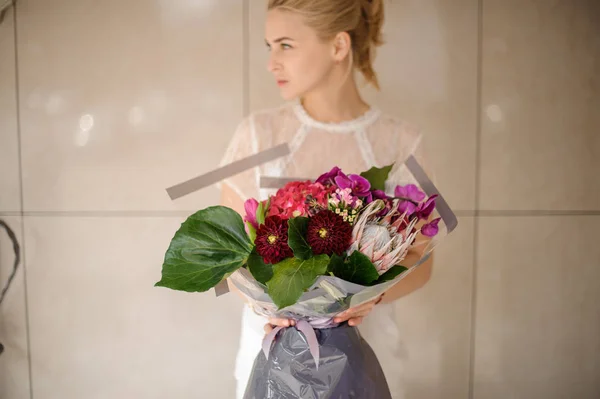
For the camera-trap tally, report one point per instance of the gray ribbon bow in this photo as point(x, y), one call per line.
point(305, 328)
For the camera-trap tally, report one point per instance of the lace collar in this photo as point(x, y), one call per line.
point(346, 126)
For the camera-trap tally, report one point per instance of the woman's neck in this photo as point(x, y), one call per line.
point(335, 106)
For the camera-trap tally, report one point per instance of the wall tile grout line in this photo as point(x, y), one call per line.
point(536, 213)
point(100, 213)
point(179, 213)
point(21, 199)
point(184, 213)
point(477, 204)
point(246, 59)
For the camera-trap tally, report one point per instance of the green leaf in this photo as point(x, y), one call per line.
point(336, 262)
point(261, 211)
point(297, 229)
point(292, 276)
point(209, 245)
point(357, 268)
point(260, 270)
point(391, 274)
point(251, 232)
point(377, 176)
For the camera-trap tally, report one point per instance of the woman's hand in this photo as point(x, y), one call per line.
point(354, 316)
point(274, 322)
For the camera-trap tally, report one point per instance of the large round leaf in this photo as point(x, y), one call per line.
point(357, 268)
point(209, 245)
point(260, 270)
point(292, 276)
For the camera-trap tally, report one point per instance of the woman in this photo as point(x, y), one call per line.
point(315, 48)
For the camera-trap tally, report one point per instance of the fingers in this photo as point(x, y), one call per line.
point(356, 312)
point(358, 309)
point(355, 321)
point(268, 328)
point(276, 322)
point(354, 316)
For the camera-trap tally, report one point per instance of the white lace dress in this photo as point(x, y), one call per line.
point(374, 139)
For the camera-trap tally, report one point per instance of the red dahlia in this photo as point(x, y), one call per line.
point(328, 233)
point(272, 240)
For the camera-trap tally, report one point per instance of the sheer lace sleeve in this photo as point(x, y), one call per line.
point(243, 144)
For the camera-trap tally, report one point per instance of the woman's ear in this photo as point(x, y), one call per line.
point(342, 45)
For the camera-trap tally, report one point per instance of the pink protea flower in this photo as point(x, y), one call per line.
point(379, 238)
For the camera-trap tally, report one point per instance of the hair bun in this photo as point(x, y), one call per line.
point(373, 15)
point(370, 30)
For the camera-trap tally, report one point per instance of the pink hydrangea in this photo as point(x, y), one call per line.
point(290, 200)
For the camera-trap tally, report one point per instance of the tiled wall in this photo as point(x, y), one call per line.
point(105, 104)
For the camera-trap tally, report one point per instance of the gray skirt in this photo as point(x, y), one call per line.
point(348, 368)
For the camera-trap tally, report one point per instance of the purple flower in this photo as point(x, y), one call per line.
point(411, 196)
point(329, 177)
point(376, 194)
point(359, 185)
point(425, 209)
point(380, 195)
point(386, 209)
point(431, 229)
point(250, 206)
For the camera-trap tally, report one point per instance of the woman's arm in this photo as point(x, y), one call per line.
point(415, 280)
point(231, 199)
point(418, 277)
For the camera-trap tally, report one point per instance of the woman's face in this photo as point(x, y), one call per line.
point(298, 59)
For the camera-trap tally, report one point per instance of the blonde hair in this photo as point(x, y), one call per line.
point(361, 19)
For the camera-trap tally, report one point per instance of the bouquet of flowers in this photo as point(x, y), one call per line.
point(309, 252)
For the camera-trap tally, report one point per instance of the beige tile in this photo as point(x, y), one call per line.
point(14, 366)
point(121, 100)
point(428, 74)
point(538, 312)
point(430, 357)
point(541, 95)
point(9, 148)
point(263, 92)
point(100, 329)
